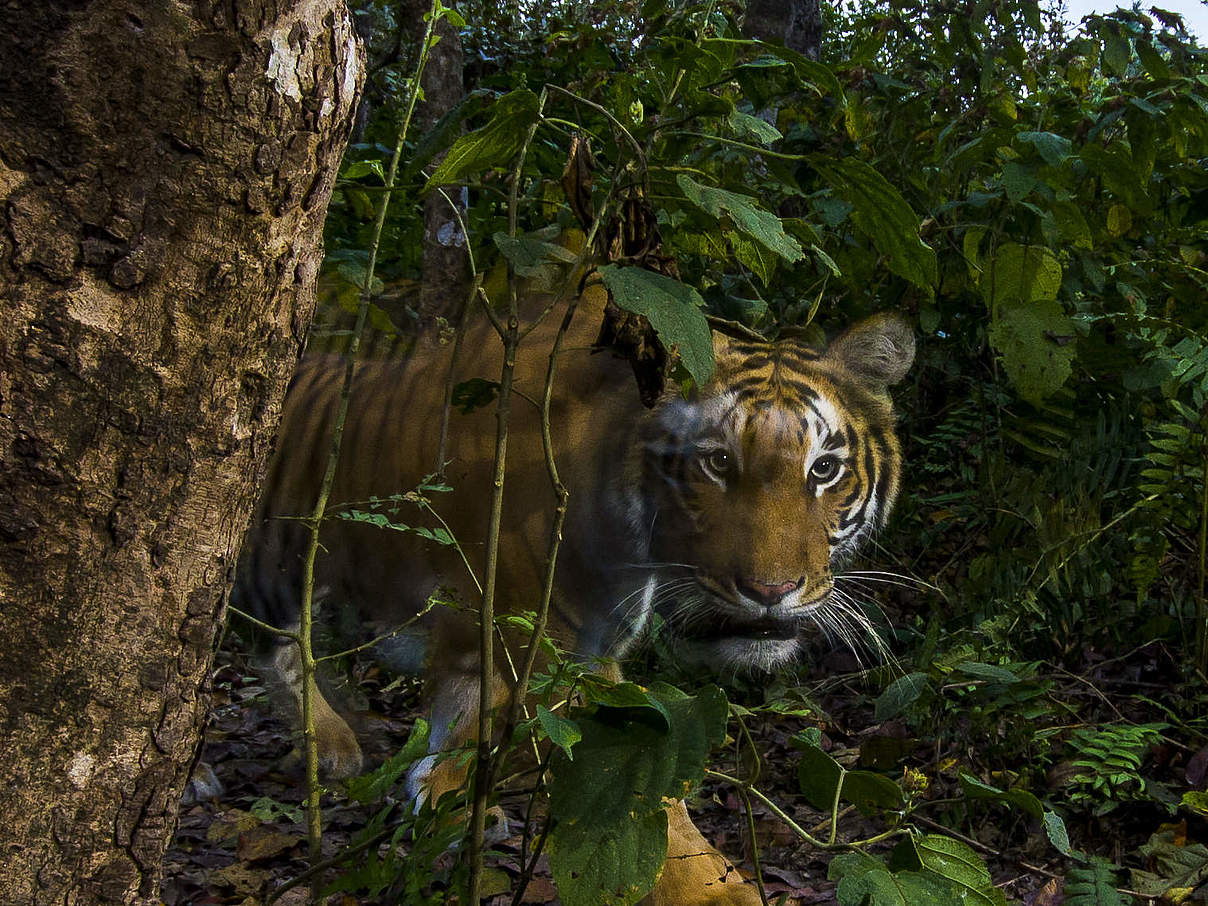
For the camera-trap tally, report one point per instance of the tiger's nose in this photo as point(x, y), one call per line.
point(767, 594)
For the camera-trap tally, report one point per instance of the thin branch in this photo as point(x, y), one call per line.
point(314, 523)
point(486, 617)
point(607, 114)
point(259, 624)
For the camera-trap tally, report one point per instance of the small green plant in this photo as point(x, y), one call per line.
point(1109, 762)
point(1094, 884)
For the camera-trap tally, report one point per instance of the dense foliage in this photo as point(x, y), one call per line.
point(1035, 197)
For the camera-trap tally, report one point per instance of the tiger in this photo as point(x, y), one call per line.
point(720, 513)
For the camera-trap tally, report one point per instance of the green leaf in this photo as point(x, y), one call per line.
point(1054, 827)
point(561, 732)
point(374, 786)
point(599, 691)
point(529, 255)
point(992, 672)
point(1021, 799)
point(673, 309)
point(446, 131)
point(1152, 60)
point(1195, 801)
point(1093, 885)
point(753, 127)
point(611, 835)
point(1055, 149)
point(1017, 274)
point(614, 865)
point(494, 145)
point(882, 214)
point(1116, 52)
point(1030, 338)
point(754, 256)
point(960, 865)
point(1018, 180)
point(1071, 224)
point(361, 168)
point(899, 695)
point(869, 791)
point(761, 225)
point(865, 881)
point(818, 775)
point(630, 759)
point(1171, 865)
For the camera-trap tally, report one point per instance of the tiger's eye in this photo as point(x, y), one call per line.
point(825, 468)
point(719, 462)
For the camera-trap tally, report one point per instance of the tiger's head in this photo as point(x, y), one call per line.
point(758, 484)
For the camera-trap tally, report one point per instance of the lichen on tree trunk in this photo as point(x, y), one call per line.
point(164, 172)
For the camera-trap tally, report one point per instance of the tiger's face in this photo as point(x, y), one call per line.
point(762, 482)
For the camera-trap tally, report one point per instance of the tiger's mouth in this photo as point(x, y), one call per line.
point(731, 627)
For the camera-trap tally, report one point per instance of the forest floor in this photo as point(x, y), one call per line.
point(236, 845)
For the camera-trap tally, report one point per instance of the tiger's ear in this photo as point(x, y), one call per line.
point(879, 350)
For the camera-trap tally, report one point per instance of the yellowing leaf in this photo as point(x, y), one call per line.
point(1018, 274)
point(1033, 339)
point(1119, 220)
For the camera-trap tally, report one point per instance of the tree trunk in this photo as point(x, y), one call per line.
point(164, 173)
point(446, 272)
point(797, 24)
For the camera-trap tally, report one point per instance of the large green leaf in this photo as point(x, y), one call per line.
point(818, 775)
point(674, 310)
point(630, 759)
point(1053, 148)
point(953, 861)
point(882, 214)
point(610, 837)
point(494, 145)
point(614, 864)
point(761, 225)
point(1036, 345)
point(865, 881)
point(1019, 273)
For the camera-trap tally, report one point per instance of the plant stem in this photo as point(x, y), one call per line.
point(314, 821)
point(486, 615)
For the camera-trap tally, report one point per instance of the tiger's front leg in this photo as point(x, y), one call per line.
point(696, 874)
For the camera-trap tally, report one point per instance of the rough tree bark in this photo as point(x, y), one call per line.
point(446, 272)
point(164, 173)
point(797, 24)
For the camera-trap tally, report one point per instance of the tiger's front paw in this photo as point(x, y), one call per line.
point(339, 752)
